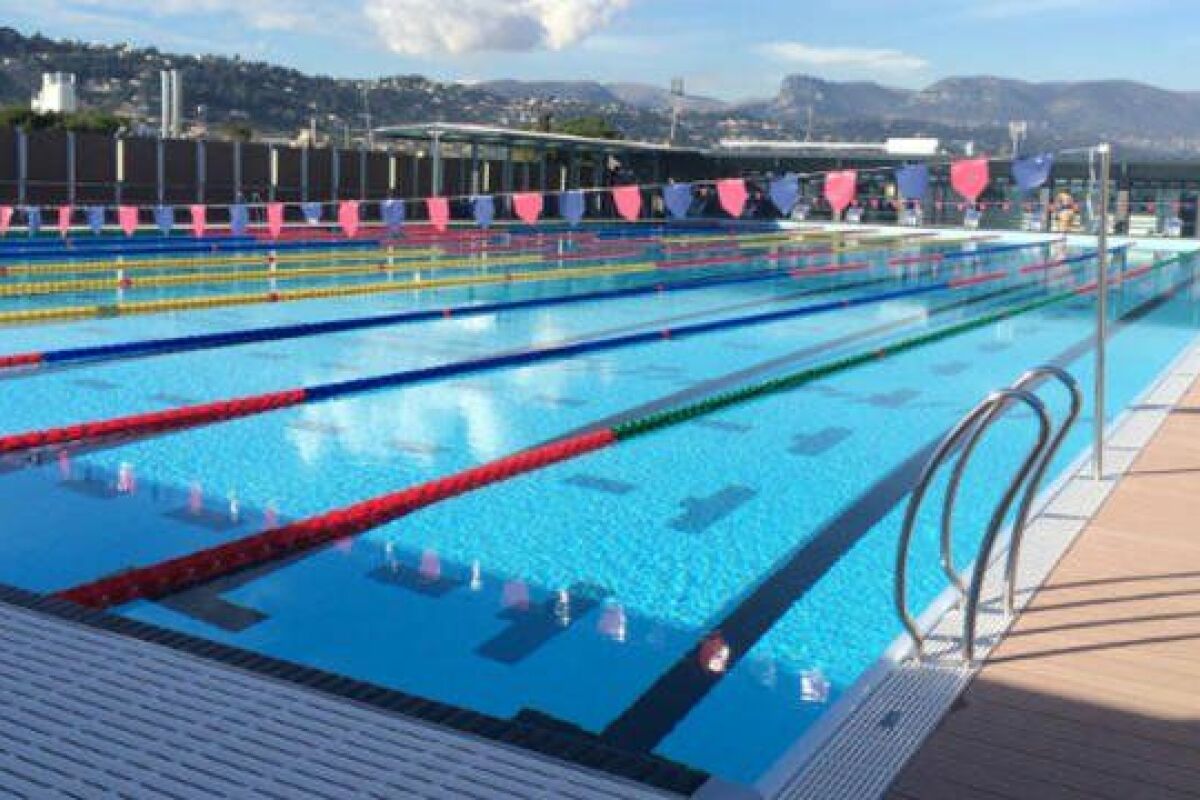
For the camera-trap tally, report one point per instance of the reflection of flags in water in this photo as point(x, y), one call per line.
point(515, 595)
point(430, 568)
point(677, 197)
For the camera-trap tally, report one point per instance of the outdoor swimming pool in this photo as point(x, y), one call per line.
point(704, 591)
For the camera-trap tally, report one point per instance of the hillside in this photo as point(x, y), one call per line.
point(280, 101)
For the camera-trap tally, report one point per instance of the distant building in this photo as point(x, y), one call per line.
point(57, 95)
point(909, 147)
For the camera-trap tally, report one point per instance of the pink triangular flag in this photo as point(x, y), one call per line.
point(840, 188)
point(629, 201)
point(732, 194)
point(275, 219)
point(969, 177)
point(127, 216)
point(199, 219)
point(6, 215)
point(439, 212)
point(64, 219)
point(348, 217)
point(528, 206)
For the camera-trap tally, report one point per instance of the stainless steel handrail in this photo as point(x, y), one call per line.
point(966, 435)
point(1028, 382)
point(970, 425)
point(970, 613)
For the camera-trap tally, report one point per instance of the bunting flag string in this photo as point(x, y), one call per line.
point(677, 199)
point(1032, 173)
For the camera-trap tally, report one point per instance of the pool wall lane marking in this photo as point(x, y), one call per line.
point(236, 408)
point(168, 577)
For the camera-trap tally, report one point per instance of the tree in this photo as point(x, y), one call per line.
point(591, 127)
point(237, 132)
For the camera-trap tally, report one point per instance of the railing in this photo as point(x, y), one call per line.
point(963, 440)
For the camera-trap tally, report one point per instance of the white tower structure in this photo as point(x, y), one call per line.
point(57, 95)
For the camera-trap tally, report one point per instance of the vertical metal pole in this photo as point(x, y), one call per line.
point(304, 151)
point(160, 170)
point(237, 172)
point(335, 177)
point(72, 182)
point(435, 164)
point(363, 166)
point(119, 184)
point(201, 171)
point(22, 166)
point(273, 188)
point(1105, 153)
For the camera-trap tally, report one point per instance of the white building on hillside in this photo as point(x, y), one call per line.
point(57, 95)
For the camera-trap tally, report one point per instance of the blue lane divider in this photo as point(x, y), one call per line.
point(328, 391)
point(176, 344)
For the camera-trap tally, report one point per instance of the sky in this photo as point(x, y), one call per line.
point(731, 50)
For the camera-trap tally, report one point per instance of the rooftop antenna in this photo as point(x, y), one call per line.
point(676, 107)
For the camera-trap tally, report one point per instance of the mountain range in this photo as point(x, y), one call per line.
point(1139, 119)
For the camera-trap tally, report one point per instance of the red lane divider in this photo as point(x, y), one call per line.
point(1042, 266)
point(833, 269)
point(20, 360)
point(154, 421)
point(975, 280)
point(171, 576)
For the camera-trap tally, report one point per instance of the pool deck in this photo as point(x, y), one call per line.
point(1095, 692)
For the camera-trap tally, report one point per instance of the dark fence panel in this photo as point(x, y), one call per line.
point(95, 169)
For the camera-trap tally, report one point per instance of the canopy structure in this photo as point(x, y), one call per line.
point(514, 147)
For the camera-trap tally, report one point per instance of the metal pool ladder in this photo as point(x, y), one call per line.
point(964, 437)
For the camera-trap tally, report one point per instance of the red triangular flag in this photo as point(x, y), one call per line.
point(439, 212)
point(199, 219)
point(840, 188)
point(628, 200)
point(732, 194)
point(969, 177)
point(348, 217)
point(127, 216)
point(528, 206)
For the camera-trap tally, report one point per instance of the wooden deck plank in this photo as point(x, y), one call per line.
point(1096, 691)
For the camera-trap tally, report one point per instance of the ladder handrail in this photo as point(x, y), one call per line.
point(1029, 381)
point(973, 424)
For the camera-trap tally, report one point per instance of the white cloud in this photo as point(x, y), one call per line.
point(852, 58)
point(429, 27)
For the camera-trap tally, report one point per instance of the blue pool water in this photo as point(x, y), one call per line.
point(574, 591)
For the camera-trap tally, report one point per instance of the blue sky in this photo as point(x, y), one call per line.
point(722, 48)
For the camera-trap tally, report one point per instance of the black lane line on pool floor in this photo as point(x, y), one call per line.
point(204, 602)
point(670, 699)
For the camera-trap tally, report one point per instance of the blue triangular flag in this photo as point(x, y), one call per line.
point(393, 213)
point(164, 218)
point(239, 219)
point(912, 181)
point(1031, 173)
point(677, 197)
point(785, 193)
point(312, 212)
point(571, 207)
point(95, 218)
point(33, 219)
point(484, 210)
